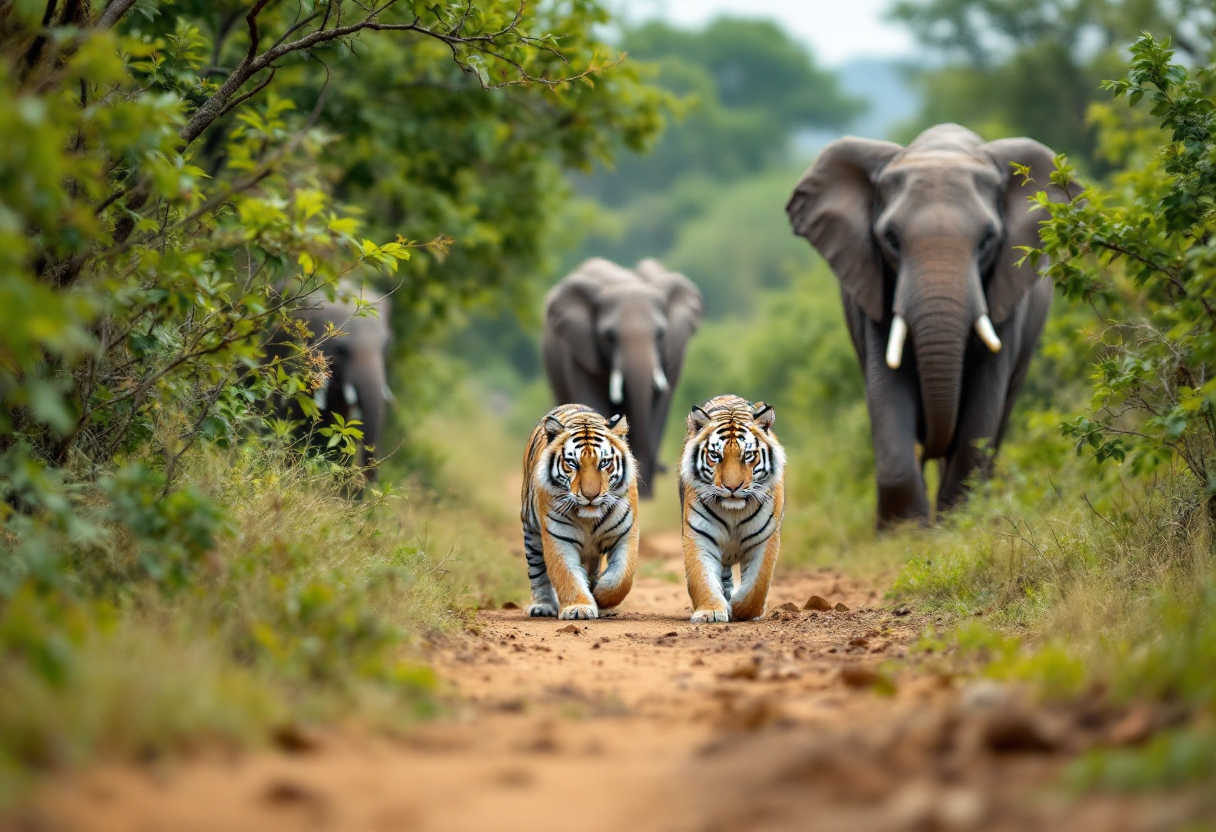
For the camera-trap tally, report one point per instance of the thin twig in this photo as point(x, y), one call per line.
point(1085, 497)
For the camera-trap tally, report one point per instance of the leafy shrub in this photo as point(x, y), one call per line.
point(1142, 253)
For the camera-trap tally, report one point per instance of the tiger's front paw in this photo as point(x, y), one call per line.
point(580, 611)
point(710, 616)
point(542, 611)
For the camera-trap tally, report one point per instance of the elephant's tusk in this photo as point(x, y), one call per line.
point(348, 393)
point(895, 346)
point(983, 328)
point(616, 387)
point(660, 380)
point(320, 395)
point(387, 392)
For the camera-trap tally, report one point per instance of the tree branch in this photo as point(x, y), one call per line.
point(114, 12)
point(242, 99)
point(216, 105)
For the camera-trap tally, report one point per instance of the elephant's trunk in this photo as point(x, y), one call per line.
point(370, 385)
point(641, 374)
point(940, 298)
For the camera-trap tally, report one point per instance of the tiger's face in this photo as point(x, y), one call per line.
point(589, 467)
point(732, 457)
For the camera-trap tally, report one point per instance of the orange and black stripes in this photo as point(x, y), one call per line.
point(732, 494)
point(578, 505)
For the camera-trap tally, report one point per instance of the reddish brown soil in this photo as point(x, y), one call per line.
point(642, 721)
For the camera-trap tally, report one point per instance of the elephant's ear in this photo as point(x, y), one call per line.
point(570, 311)
point(1009, 280)
point(684, 308)
point(833, 207)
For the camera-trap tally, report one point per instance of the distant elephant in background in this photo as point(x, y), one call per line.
point(614, 340)
point(357, 387)
point(924, 242)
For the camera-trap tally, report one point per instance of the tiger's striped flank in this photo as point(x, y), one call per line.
point(579, 505)
point(732, 497)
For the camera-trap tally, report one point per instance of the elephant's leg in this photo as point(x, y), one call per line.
point(1022, 331)
point(981, 413)
point(893, 401)
point(544, 598)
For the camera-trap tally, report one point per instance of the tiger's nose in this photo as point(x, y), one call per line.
point(732, 484)
point(589, 488)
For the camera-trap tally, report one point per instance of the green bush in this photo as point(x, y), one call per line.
point(1141, 252)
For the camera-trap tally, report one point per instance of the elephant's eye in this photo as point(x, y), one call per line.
point(891, 239)
point(987, 240)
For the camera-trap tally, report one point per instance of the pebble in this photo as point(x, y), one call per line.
point(817, 603)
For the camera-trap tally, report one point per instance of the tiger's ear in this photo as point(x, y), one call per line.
point(619, 425)
point(697, 418)
point(553, 427)
point(764, 415)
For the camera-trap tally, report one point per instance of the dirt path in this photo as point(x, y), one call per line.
point(642, 721)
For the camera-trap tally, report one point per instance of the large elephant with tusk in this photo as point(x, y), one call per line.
point(614, 339)
point(925, 242)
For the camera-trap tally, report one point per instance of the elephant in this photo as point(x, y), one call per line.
point(925, 242)
point(614, 340)
point(357, 386)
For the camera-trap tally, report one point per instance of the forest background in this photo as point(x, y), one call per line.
point(177, 567)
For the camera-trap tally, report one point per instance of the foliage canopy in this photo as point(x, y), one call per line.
point(1034, 67)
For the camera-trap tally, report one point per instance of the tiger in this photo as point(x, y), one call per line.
point(579, 503)
point(732, 498)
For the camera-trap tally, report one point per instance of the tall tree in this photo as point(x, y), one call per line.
point(748, 87)
point(1034, 67)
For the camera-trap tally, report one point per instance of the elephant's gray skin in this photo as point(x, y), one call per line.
point(614, 340)
point(923, 240)
point(358, 384)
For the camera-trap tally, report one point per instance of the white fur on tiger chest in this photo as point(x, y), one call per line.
point(735, 531)
point(586, 539)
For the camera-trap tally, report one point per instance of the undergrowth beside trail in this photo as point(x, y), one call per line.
point(307, 608)
point(1113, 603)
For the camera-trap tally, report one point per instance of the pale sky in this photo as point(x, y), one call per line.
point(837, 30)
